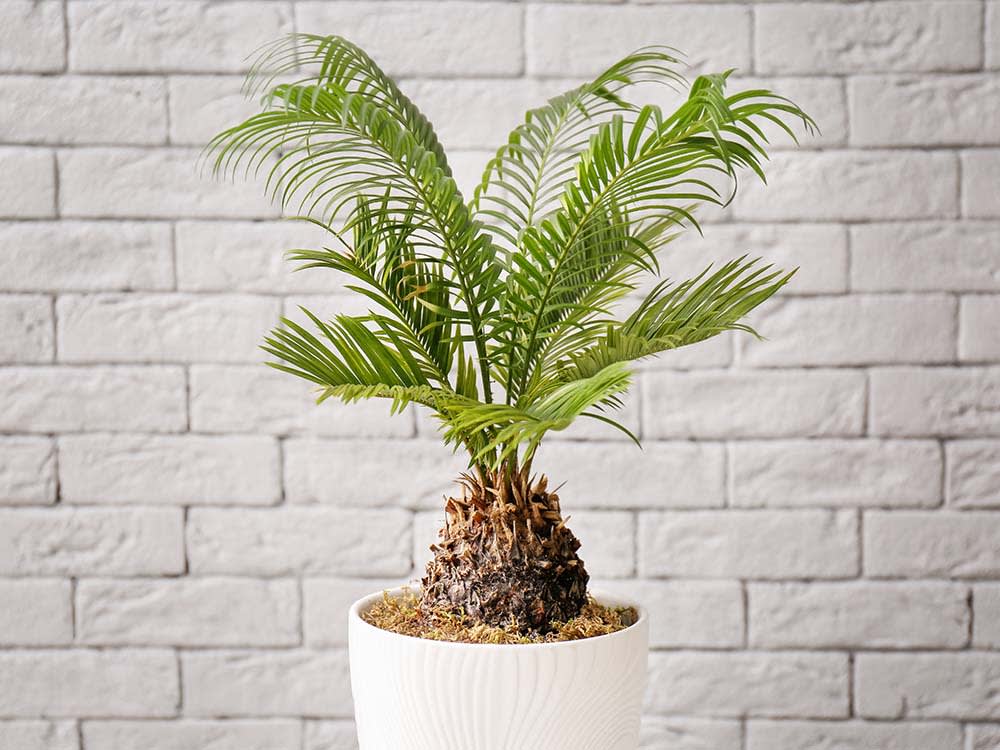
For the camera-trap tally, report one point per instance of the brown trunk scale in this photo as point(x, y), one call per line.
point(505, 556)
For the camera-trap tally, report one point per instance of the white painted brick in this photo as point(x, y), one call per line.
point(711, 353)
point(992, 44)
point(133, 682)
point(91, 541)
point(834, 472)
point(35, 613)
point(925, 256)
point(353, 472)
point(228, 256)
point(84, 109)
point(749, 544)
point(478, 113)
point(187, 734)
point(330, 735)
point(326, 602)
point(256, 399)
point(70, 399)
point(818, 250)
point(426, 528)
point(852, 330)
point(931, 544)
point(689, 734)
point(928, 686)
point(84, 256)
point(32, 36)
point(27, 471)
point(983, 736)
point(266, 683)
point(754, 684)
point(607, 541)
point(686, 614)
point(152, 183)
point(915, 401)
point(164, 327)
point(753, 404)
point(171, 35)
point(592, 38)
point(980, 176)
point(27, 324)
point(182, 469)
point(986, 618)
point(924, 110)
point(619, 475)
point(38, 735)
point(425, 39)
point(852, 186)
point(300, 540)
point(868, 37)
point(978, 339)
point(203, 105)
point(858, 615)
point(852, 735)
point(188, 612)
point(822, 98)
point(973, 473)
point(27, 184)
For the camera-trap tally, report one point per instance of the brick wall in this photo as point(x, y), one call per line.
point(814, 522)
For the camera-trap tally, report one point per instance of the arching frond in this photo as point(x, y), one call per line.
point(672, 316)
point(333, 62)
point(523, 181)
point(516, 291)
point(513, 428)
point(644, 175)
point(325, 148)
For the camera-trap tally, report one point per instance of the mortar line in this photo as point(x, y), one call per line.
point(861, 544)
point(168, 139)
point(851, 713)
point(745, 605)
point(65, 24)
point(970, 602)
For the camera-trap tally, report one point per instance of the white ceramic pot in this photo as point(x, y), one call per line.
point(416, 694)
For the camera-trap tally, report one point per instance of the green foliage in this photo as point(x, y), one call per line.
point(498, 313)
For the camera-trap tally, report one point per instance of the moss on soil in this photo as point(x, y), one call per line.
point(402, 614)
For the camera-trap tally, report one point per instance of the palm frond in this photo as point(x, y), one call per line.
point(645, 175)
point(326, 147)
point(524, 179)
point(675, 315)
point(334, 62)
point(516, 290)
point(512, 428)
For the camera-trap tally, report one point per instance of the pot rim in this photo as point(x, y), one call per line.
point(617, 601)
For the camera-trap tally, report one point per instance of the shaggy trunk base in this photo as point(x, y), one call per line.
point(505, 557)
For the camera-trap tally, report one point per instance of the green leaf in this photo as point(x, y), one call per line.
point(515, 294)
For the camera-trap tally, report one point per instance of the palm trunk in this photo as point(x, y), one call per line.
point(505, 555)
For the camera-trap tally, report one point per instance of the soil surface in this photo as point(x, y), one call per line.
point(403, 614)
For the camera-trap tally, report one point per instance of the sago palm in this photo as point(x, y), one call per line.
point(497, 313)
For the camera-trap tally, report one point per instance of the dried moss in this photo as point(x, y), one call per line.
point(403, 614)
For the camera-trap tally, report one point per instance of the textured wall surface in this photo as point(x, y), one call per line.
point(814, 522)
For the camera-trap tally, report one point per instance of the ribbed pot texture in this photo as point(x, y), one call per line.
point(416, 694)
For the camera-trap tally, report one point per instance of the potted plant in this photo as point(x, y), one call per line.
point(497, 314)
